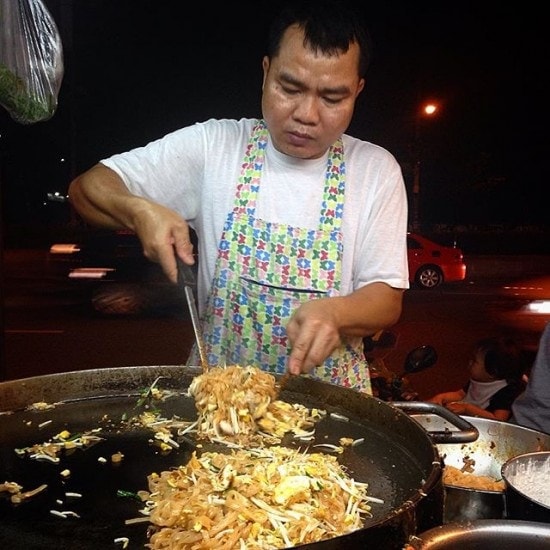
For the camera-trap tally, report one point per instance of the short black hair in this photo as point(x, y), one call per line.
point(329, 26)
point(504, 358)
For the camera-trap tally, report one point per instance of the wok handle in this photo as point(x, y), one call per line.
point(466, 432)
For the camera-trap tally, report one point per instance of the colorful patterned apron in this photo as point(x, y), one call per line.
point(265, 270)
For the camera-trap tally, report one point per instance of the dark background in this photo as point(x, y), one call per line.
point(137, 69)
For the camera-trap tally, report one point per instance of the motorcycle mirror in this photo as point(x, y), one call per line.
point(419, 359)
point(383, 339)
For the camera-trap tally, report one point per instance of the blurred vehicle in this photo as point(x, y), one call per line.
point(114, 276)
point(121, 281)
point(431, 264)
point(526, 310)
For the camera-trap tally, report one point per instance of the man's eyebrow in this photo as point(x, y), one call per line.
point(289, 79)
point(336, 90)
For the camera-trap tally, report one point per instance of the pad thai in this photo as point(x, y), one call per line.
point(239, 405)
point(253, 499)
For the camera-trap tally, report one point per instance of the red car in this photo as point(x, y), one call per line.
point(431, 264)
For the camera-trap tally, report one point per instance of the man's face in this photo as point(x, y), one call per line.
point(308, 97)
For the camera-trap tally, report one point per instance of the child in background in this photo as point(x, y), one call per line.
point(496, 371)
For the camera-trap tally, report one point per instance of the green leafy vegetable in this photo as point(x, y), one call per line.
point(127, 494)
point(23, 106)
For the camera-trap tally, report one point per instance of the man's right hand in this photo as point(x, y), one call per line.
point(102, 199)
point(163, 233)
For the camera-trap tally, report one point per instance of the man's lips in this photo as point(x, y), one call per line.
point(299, 140)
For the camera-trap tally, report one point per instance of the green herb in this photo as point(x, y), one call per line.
point(127, 494)
point(23, 106)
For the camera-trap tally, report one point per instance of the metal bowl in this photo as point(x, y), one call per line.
point(486, 534)
point(497, 443)
point(524, 475)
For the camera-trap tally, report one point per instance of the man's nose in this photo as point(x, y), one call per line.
point(307, 109)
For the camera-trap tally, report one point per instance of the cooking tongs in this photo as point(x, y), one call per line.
point(188, 282)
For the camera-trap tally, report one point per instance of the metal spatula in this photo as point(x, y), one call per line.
point(187, 281)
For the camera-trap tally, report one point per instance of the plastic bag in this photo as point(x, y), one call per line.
point(31, 61)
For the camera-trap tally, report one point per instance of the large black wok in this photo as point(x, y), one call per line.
point(398, 458)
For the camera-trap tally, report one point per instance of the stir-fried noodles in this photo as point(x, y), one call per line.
point(255, 499)
point(239, 405)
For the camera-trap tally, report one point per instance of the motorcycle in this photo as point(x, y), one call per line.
point(386, 384)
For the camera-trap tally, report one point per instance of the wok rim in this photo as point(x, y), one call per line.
point(114, 382)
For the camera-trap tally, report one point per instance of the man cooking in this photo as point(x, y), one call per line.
point(301, 228)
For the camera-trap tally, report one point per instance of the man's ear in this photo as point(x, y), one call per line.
point(265, 67)
point(360, 87)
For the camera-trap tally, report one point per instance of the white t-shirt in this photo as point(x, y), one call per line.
point(195, 170)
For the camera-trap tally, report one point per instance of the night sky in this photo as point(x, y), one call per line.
point(137, 69)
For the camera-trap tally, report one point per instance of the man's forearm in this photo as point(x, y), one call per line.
point(99, 196)
point(368, 310)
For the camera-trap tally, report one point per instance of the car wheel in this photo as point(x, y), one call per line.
point(429, 276)
point(120, 299)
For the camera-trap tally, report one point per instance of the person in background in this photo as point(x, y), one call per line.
point(496, 370)
point(301, 228)
point(532, 408)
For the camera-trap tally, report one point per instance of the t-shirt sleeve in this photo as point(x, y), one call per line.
point(379, 210)
point(166, 170)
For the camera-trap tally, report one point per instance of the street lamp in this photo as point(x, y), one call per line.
point(426, 110)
